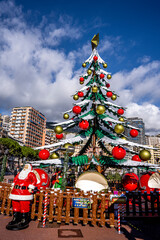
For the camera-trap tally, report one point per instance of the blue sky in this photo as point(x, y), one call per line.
point(43, 44)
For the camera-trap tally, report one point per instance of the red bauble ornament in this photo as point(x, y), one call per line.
point(136, 158)
point(43, 180)
point(101, 76)
point(134, 133)
point(81, 79)
point(118, 153)
point(84, 124)
point(107, 85)
point(109, 94)
point(95, 58)
point(80, 94)
point(120, 111)
point(130, 181)
point(44, 154)
point(76, 109)
point(59, 136)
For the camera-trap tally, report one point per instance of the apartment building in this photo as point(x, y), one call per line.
point(28, 125)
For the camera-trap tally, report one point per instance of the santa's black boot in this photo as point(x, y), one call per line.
point(24, 223)
point(14, 223)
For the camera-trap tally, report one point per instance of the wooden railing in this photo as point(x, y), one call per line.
point(59, 206)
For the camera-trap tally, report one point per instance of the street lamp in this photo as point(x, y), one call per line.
point(68, 151)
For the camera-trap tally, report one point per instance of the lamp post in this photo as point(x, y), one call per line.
point(69, 150)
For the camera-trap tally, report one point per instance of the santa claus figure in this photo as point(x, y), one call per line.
point(21, 195)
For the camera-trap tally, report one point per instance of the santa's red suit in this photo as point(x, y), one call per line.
point(21, 194)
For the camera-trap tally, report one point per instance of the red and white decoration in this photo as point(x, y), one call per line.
point(44, 154)
point(107, 85)
point(84, 124)
point(134, 133)
point(43, 180)
point(118, 153)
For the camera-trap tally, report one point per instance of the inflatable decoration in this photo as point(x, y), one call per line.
point(130, 181)
point(91, 181)
point(150, 181)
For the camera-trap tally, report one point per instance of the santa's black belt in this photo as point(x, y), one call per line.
point(20, 187)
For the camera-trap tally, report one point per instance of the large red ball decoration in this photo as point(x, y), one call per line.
point(109, 94)
point(134, 133)
point(130, 181)
point(136, 158)
point(118, 153)
point(80, 94)
point(44, 154)
point(81, 79)
point(84, 124)
point(43, 180)
point(107, 85)
point(120, 111)
point(95, 58)
point(101, 76)
point(59, 136)
point(76, 109)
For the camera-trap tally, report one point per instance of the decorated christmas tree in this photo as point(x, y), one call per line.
point(99, 120)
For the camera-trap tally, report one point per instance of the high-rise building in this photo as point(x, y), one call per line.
point(138, 123)
point(1, 120)
point(153, 140)
point(28, 125)
point(6, 123)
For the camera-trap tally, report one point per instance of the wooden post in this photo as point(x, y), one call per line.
point(85, 212)
point(60, 203)
point(76, 212)
point(40, 205)
point(33, 208)
point(152, 202)
point(4, 200)
point(94, 208)
point(133, 202)
point(51, 204)
point(102, 220)
point(68, 207)
point(127, 204)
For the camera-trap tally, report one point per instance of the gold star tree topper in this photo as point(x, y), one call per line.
point(95, 41)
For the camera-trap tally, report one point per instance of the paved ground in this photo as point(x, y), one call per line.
point(133, 230)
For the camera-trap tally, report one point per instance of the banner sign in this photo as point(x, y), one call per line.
point(120, 199)
point(81, 203)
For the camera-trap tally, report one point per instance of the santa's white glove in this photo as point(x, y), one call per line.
point(30, 190)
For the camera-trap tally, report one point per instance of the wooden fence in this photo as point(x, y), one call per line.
point(60, 209)
point(59, 206)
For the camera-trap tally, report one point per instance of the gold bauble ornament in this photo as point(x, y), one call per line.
point(58, 129)
point(84, 65)
point(66, 145)
point(54, 155)
point(105, 65)
point(124, 138)
point(109, 76)
point(101, 109)
point(114, 97)
point(119, 129)
point(89, 71)
point(94, 89)
point(76, 97)
point(66, 116)
point(121, 119)
point(145, 155)
point(81, 82)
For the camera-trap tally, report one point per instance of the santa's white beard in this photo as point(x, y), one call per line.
point(24, 173)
